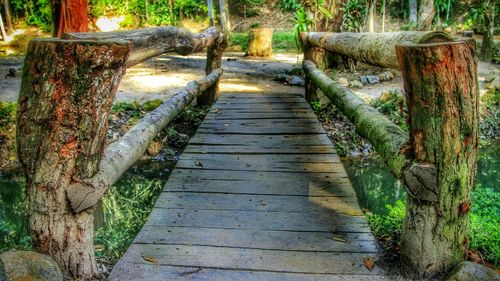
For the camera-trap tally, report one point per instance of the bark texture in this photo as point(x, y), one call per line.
point(151, 42)
point(373, 48)
point(260, 42)
point(440, 81)
point(119, 156)
point(2, 29)
point(69, 16)
point(66, 94)
point(413, 8)
point(387, 138)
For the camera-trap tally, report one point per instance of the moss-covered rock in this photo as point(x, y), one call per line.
point(27, 265)
point(471, 271)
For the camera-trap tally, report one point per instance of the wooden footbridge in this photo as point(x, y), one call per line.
point(259, 192)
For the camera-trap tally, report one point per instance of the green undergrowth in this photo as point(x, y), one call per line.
point(484, 228)
point(283, 41)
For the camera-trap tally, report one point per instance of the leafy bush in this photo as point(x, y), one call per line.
point(387, 228)
point(240, 39)
point(355, 12)
point(7, 114)
point(289, 5)
point(302, 23)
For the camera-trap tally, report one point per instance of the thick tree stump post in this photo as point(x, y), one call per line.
point(440, 80)
point(260, 42)
point(214, 61)
point(66, 94)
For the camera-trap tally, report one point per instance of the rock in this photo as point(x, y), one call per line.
point(154, 148)
point(364, 80)
point(468, 33)
point(385, 76)
point(494, 84)
point(471, 271)
point(491, 76)
point(369, 79)
point(343, 81)
point(281, 78)
point(12, 72)
point(365, 97)
point(296, 81)
point(27, 265)
point(356, 84)
point(385, 96)
point(323, 100)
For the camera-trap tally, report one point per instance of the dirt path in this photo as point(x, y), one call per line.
point(160, 77)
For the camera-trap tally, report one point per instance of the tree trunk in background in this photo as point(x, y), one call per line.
point(2, 29)
point(210, 5)
point(413, 7)
point(69, 16)
point(489, 29)
point(171, 10)
point(440, 81)
point(66, 94)
point(260, 43)
point(371, 15)
point(425, 14)
point(383, 15)
point(8, 18)
point(225, 17)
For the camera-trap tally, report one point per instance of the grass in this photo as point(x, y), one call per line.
point(283, 41)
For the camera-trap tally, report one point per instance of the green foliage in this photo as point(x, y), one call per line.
point(302, 22)
point(387, 228)
point(35, 12)
point(394, 108)
point(245, 8)
point(7, 114)
point(13, 214)
point(127, 205)
point(490, 116)
point(237, 38)
point(284, 41)
point(355, 12)
point(484, 231)
point(289, 5)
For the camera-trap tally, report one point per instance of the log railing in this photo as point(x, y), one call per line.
point(67, 90)
point(437, 160)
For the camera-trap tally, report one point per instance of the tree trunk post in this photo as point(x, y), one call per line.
point(440, 80)
point(66, 94)
point(214, 61)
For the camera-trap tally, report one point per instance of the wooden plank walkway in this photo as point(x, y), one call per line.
point(258, 194)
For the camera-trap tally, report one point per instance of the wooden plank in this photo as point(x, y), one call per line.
point(269, 106)
point(243, 149)
point(312, 163)
point(128, 271)
point(259, 95)
point(258, 239)
point(289, 187)
point(271, 203)
point(263, 126)
point(250, 259)
point(321, 221)
point(249, 115)
point(262, 140)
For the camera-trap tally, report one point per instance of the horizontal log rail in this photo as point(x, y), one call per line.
point(387, 137)
point(67, 91)
point(437, 161)
point(147, 43)
point(120, 155)
point(372, 48)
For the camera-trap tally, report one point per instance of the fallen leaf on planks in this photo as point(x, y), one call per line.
point(369, 263)
point(150, 259)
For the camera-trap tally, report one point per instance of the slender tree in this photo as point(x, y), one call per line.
point(210, 5)
point(489, 11)
point(425, 14)
point(2, 29)
point(171, 10)
point(371, 15)
point(69, 16)
point(413, 7)
point(8, 18)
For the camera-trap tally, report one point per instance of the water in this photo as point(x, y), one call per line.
point(375, 187)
